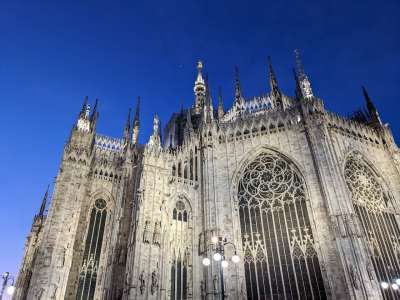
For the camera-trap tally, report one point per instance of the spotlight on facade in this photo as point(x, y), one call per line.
point(217, 256)
point(397, 281)
point(224, 263)
point(11, 290)
point(214, 239)
point(384, 285)
point(235, 258)
point(206, 261)
point(395, 286)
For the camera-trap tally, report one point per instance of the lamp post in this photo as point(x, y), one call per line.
point(217, 246)
point(10, 290)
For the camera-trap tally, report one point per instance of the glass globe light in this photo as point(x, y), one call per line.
point(224, 263)
point(384, 285)
point(235, 258)
point(11, 290)
point(395, 286)
point(398, 281)
point(214, 239)
point(217, 256)
point(206, 261)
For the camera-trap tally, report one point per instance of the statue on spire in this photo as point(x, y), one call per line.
point(83, 123)
point(155, 138)
point(304, 82)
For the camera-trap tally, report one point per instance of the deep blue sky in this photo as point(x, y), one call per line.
point(53, 54)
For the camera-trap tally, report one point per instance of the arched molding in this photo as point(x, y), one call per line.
point(105, 195)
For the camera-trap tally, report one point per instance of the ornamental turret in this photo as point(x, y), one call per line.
point(199, 89)
point(155, 138)
point(239, 100)
point(208, 107)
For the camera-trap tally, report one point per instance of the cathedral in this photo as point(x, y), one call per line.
point(272, 198)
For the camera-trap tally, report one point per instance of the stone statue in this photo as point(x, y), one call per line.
point(146, 232)
point(154, 282)
point(142, 282)
point(157, 234)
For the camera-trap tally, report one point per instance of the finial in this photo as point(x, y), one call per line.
point(44, 201)
point(199, 89)
point(199, 66)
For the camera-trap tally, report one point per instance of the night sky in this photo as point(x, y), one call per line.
point(52, 55)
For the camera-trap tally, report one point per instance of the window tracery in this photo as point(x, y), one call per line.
point(280, 257)
point(91, 257)
point(377, 218)
point(180, 246)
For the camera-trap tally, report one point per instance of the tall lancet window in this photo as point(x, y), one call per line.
point(180, 242)
point(91, 256)
point(378, 221)
point(280, 257)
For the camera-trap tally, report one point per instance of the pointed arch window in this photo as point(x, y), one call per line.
point(377, 217)
point(180, 245)
point(280, 257)
point(91, 256)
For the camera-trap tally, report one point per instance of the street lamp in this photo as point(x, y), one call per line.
point(10, 289)
point(218, 245)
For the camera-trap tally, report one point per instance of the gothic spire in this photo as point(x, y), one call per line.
point(304, 83)
point(298, 89)
point(155, 138)
point(275, 92)
point(199, 88)
point(85, 109)
point(136, 123)
point(208, 109)
point(221, 112)
point(43, 205)
point(238, 91)
point(373, 112)
point(127, 126)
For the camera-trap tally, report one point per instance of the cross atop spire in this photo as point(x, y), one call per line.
point(373, 112)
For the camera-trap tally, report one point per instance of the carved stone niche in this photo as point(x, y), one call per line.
point(146, 233)
point(157, 234)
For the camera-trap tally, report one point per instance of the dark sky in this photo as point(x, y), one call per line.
point(52, 54)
